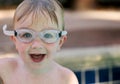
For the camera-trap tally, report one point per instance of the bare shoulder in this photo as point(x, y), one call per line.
point(68, 75)
point(7, 65)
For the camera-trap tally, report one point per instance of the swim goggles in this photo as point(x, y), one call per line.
point(28, 35)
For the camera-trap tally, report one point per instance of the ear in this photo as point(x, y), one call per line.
point(62, 40)
point(13, 39)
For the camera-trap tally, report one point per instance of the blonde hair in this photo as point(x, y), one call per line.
point(51, 8)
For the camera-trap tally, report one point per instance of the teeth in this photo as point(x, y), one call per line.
point(38, 52)
point(36, 55)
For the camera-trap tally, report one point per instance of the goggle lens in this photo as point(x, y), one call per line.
point(48, 36)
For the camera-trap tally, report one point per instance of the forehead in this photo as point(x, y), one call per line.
point(36, 22)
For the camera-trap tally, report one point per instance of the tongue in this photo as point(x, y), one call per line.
point(37, 57)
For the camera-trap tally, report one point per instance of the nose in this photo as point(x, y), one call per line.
point(37, 43)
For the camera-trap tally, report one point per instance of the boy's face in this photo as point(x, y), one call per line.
point(37, 51)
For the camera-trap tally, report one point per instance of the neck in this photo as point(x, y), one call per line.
point(37, 69)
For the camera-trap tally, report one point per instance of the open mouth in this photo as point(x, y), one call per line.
point(37, 57)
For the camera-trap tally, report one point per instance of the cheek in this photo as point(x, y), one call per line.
point(53, 47)
point(21, 48)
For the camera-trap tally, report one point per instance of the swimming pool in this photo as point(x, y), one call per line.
point(93, 65)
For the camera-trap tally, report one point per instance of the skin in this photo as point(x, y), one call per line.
point(22, 70)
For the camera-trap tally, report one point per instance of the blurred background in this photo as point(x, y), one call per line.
point(92, 50)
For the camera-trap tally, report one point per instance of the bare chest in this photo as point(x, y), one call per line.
point(21, 79)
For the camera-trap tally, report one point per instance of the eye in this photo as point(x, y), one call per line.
point(26, 35)
point(48, 35)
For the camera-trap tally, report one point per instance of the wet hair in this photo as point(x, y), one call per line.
point(39, 8)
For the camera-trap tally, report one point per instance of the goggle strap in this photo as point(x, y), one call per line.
point(6, 32)
point(63, 33)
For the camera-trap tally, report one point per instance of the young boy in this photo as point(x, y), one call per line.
point(38, 34)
